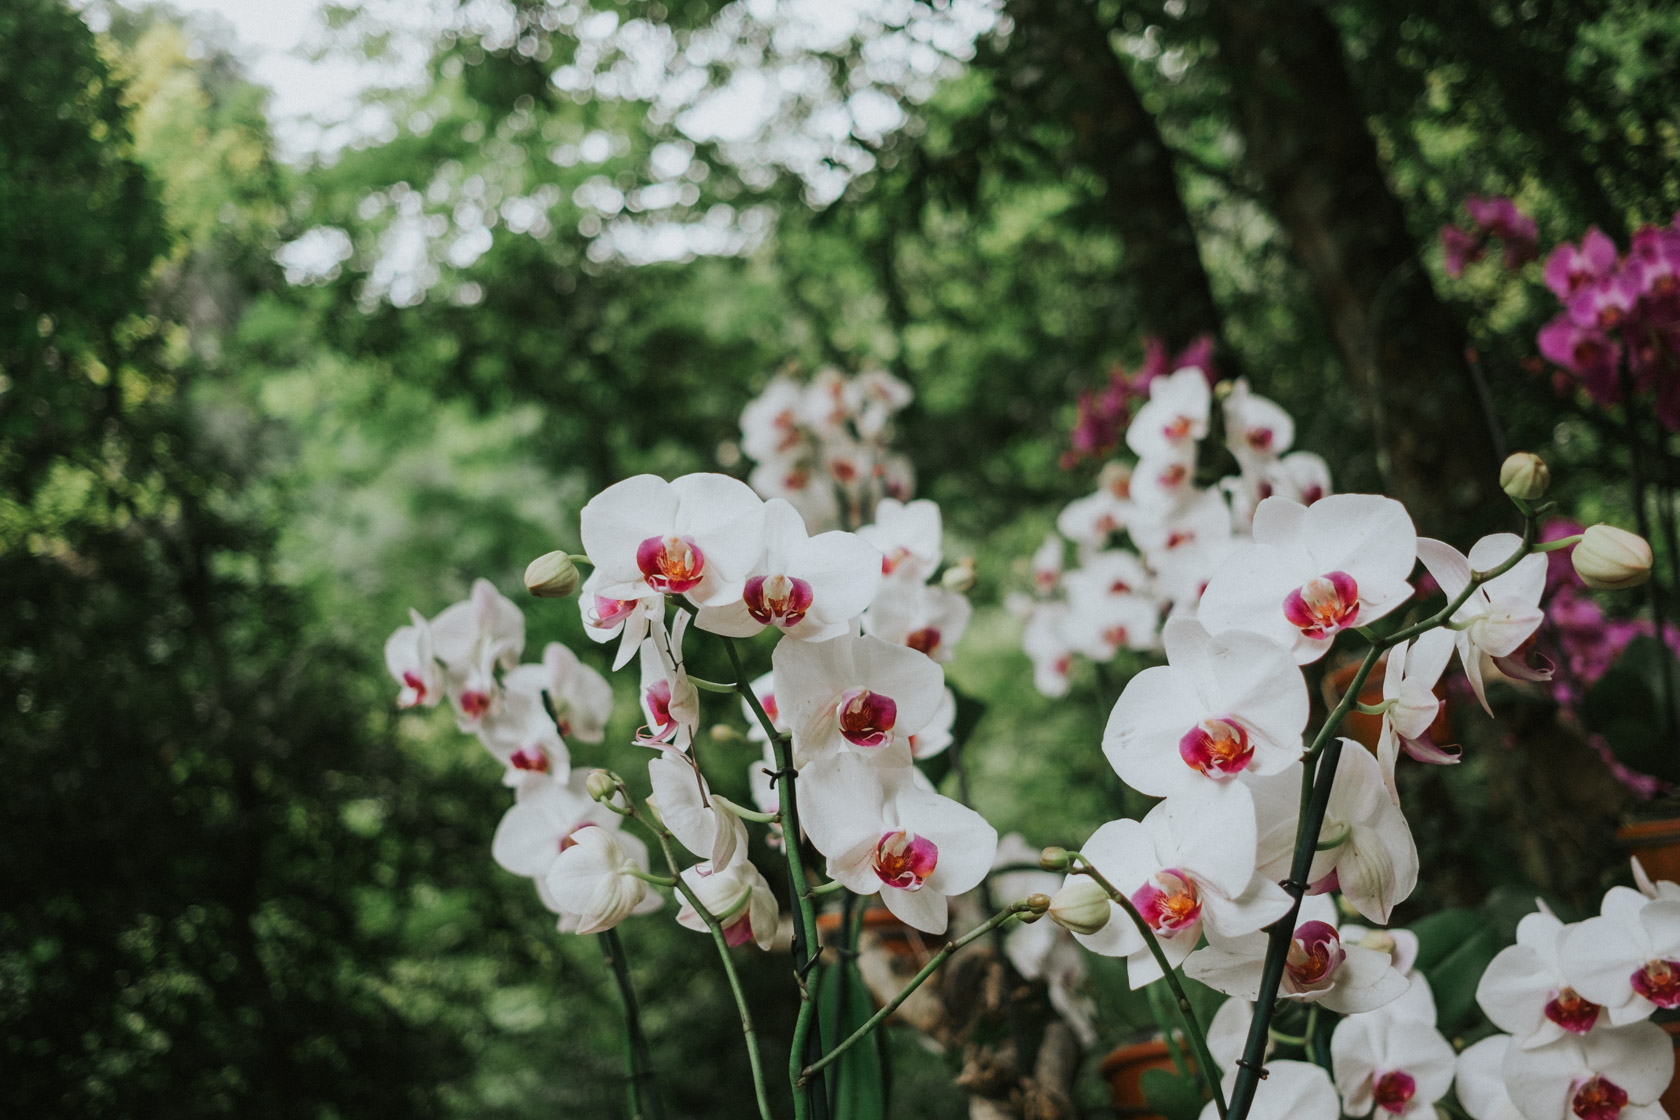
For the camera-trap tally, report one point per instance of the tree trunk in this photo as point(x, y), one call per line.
point(1059, 63)
point(1405, 351)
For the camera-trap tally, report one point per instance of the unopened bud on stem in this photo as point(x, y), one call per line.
point(959, 577)
point(552, 576)
point(1055, 859)
point(1612, 559)
point(1032, 908)
point(1081, 906)
point(601, 785)
point(1525, 476)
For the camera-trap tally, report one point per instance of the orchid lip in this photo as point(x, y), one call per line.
point(1218, 748)
point(904, 860)
point(1572, 1012)
point(777, 600)
point(925, 640)
point(1394, 1090)
point(1659, 982)
point(475, 703)
point(1323, 605)
point(1315, 953)
point(1168, 901)
point(866, 718)
point(671, 564)
point(1598, 1098)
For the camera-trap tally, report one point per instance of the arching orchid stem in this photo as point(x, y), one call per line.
point(804, 914)
point(825, 888)
point(1288, 1039)
point(1315, 795)
point(916, 981)
point(1374, 709)
point(712, 924)
point(710, 686)
point(1561, 542)
point(745, 813)
point(1205, 1066)
point(650, 877)
point(642, 1089)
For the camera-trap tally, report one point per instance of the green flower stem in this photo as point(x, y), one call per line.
point(804, 914)
point(661, 834)
point(643, 1092)
point(1316, 796)
point(916, 981)
point(1198, 1037)
point(710, 686)
point(1561, 542)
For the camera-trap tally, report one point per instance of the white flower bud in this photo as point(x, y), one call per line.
point(1525, 476)
point(1366, 872)
point(552, 576)
point(594, 879)
point(1612, 559)
point(1081, 906)
point(601, 785)
point(959, 577)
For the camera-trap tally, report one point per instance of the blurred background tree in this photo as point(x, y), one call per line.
point(252, 411)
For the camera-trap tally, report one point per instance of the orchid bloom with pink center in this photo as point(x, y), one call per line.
point(1569, 267)
point(1606, 1075)
point(811, 588)
point(702, 822)
point(1257, 430)
point(1163, 483)
point(670, 701)
point(884, 829)
point(544, 821)
point(593, 882)
point(697, 536)
point(580, 696)
point(765, 689)
point(935, 736)
point(1524, 989)
point(1184, 537)
point(853, 693)
point(1189, 865)
point(770, 426)
point(1389, 1064)
point(473, 639)
point(1100, 625)
point(1174, 418)
point(926, 617)
point(1222, 705)
point(738, 897)
point(1605, 304)
point(1322, 966)
point(908, 536)
point(1627, 959)
point(1365, 847)
point(798, 482)
point(606, 618)
point(1091, 520)
point(1045, 643)
point(1479, 1082)
point(521, 734)
point(1500, 615)
point(1314, 571)
point(1047, 564)
point(1408, 686)
point(409, 657)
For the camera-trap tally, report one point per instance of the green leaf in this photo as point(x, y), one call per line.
point(1173, 1095)
point(1455, 976)
point(1441, 933)
point(857, 1085)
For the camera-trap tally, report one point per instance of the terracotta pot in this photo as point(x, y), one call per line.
point(1368, 729)
point(896, 937)
point(1124, 1068)
point(1656, 843)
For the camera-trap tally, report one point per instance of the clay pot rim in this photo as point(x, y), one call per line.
point(1645, 833)
point(1134, 1053)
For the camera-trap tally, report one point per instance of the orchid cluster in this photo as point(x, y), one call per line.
point(1229, 876)
point(822, 445)
point(1177, 532)
point(1103, 416)
point(1620, 324)
point(1490, 218)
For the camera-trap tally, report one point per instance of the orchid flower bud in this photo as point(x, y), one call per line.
point(959, 577)
point(601, 785)
point(1033, 907)
point(1612, 559)
point(1525, 476)
point(1055, 859)
point(1081, 906)
point(552, 576)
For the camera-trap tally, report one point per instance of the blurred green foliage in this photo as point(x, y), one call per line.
point(235, 882)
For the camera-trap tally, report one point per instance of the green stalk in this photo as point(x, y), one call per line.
point(638, 1063)
point(804, 914)
point(716, 928)
point(1198, 1037)
point(916, 981)
point(1316, 798)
